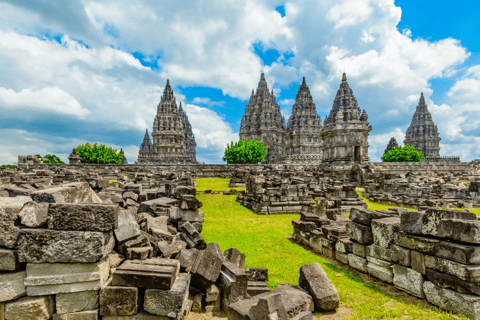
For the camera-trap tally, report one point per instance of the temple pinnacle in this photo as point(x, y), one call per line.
point(344, 77)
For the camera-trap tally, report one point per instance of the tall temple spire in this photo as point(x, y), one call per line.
point(262, 84)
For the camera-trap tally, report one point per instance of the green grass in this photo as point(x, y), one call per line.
point(214, 184)
point(262, 239)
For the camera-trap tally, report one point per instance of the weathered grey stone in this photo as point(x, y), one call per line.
point(255, 288)
point(119, 301)
point(191, 236)
point(269, 307)
point(359, 233)
point(358, 249)
point(385, 231)
point(365, 216)
point(383, 270)
point(233, 282)
point(433, 217)
point(34, 214)
point(303, 316)
point(408, 280)
point(411, 221)
point(9, 210)
point(450, 300)
point(344, 246)
point(257, 274)
point(141, 253)
point(460, 230)
point(8, 260)
point(53, 278)
point(418, 261)
point(378, 252)
point(235, 256)
point(154, 207)
point(443, 280)
point(52, 246)
point(400, 255)
point(206, 269)
point(74, 192)
point(342, 257)
point(212, 293)
point(215, 249)
point(462, 271)
point(197, 303)
point(30, 308)
point(76, 301)
point(314, 279)
point(357, 262)
point(12, 286)
point(128, 227)
point(142, 315)
point(2, 308)
point(459, 252)
point(422, 244)
point(139, 242)
point(155, 273)
point(83, 216)
point(171, 302)
point(83, 315)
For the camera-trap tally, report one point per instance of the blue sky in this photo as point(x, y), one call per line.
point(93, 71)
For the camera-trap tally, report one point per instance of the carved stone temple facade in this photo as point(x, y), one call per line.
point(173, 139)
point(303, 141)
point(264, 122)
point(345, 131)
point(392, 144)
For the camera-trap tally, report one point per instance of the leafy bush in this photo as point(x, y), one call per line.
point(98, 154)
point(403, 154)
point(245, 151)
point(51, 159)
point(6, 166)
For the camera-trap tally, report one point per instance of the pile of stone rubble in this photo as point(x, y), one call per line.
point(119, 251)
point(430, 253)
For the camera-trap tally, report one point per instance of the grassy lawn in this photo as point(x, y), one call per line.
point(214, 184)
point(262, 239)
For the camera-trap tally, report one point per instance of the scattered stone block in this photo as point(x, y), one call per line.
point(357, 262)
point(128, 227)
point(460, 230)
point(359, 233)
point(12, 286)
point(155, 273)
point(9, 210)
point(408, 280)
point(83, 315)
point(418, 243)
point(141, 253)
point(257, 274)
point(269, 307)
point(385, 231)
point(411, 221)
point(170, 302)
point(255, 288)
point(76, 301)
point(34, 215)
point(433, 218)
point(30, 308)
point(191, 236)
point(233, 282)
point(452, 301)
point(459, 252)
point(83, 216)
point(119, 301)
point(197, 302)
point(235, 256)
point(365, 216)
point(314, 279)
point(206, 269)
point(74, 192)
point(462, 271)
point(52, 246)
point(303, 316)
point(142, 315)
point(443, 280)
point(380, 269)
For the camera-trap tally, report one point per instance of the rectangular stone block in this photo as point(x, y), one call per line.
point(329, 244)
point(155, 273)
point(257, 274)
point(83, 315)
point(418, 243)
point(358, 249)
point(128, 227)
point(8, 260)
point(233, 283)
point(344, 245)
point(408, 280)
point(255, 288)
point(206, 269)
point(142, 315)
point(359, 233)
point(30, 308)
point(119, 301)
point(447, 281)
point(357, 262)
point(365, 216)
point(462, 271)
point(460, 230)
point(171, 302)
point(383, 270)
point(342, 257)
point(74, 192)
point(411, 221)
point(12, 286)
point(385, 231)
point(329, 253)
point(433, 217)
point(76, 301)
point(9, 210)
point(400, 255)
point(83, 216)
point(452, 301)
point(53, 278)
point(52, 246)
point(378, 252)
point(314, 279)
point(459, 252)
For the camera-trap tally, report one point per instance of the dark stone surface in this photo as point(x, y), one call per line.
point(83, 216)
point(119, 301)
point(314, 279)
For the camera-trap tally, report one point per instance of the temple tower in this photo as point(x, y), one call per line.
point(345, 131)
point(423, 133)
point(303, 141)
point(190, 143)
point(391, 145)
point(169, 143)
point(264, 122)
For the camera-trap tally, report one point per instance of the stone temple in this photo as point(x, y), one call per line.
point(345, 131)
point(173, 139)
point(392, 144)
point(264, 122)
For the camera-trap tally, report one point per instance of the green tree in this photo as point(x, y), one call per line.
point(245, 151)
point(50, 158)
point(403, 154)
point(98, 154)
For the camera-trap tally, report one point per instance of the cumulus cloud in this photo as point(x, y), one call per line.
point(207, 101)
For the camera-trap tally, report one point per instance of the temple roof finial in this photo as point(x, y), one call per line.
point(344, 77)
point(303, 82)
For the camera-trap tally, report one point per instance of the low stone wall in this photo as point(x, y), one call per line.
point(431, 254)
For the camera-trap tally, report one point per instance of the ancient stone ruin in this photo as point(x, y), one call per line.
point(173, 139)
point(392, 144)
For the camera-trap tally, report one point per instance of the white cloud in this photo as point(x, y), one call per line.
point(287, 102)
point(378, 143)
point(350, 12)
point(207, 101)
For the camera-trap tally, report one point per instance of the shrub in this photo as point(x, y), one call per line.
point(245, 151)
point(51, 159)
point(6, 166)
point(98, 154)
point(403, 154)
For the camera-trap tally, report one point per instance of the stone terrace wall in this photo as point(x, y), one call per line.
point(432, 254)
